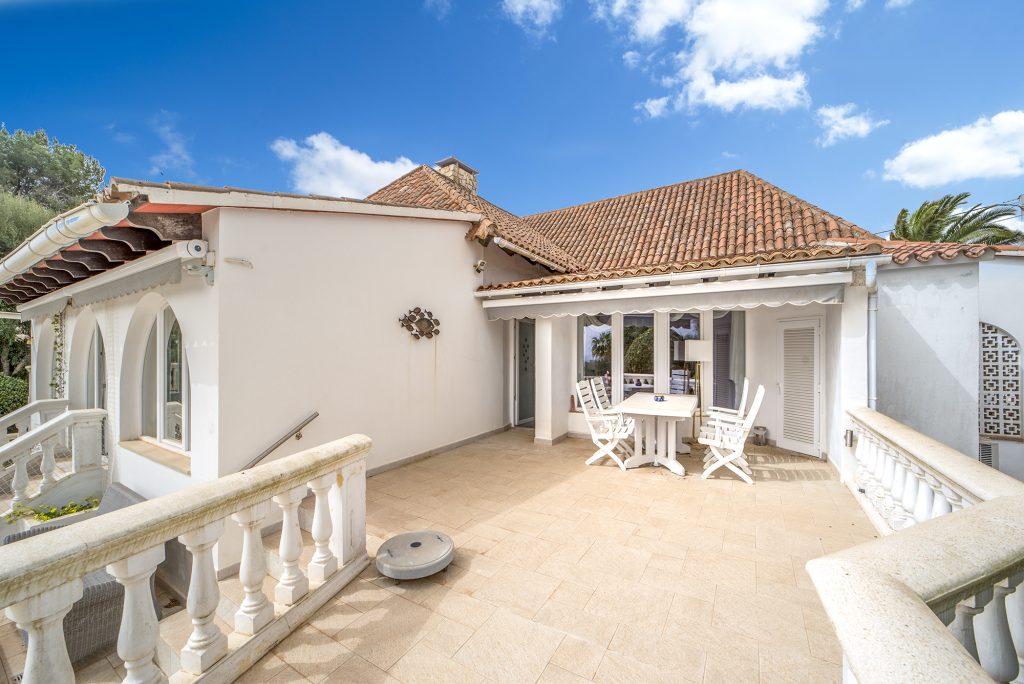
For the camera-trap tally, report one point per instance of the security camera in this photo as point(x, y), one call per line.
point(479, 266)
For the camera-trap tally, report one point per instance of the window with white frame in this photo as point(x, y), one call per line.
point(637, 353)
point(594, 356)
point(1000, 403)
point(165, 384)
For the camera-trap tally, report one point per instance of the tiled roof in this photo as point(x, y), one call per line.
point(732, 214)
point(425, 187)
point(903, 252)
point(826, 252)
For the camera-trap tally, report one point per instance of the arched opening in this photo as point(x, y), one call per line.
point(87, 381)
point(154, 379)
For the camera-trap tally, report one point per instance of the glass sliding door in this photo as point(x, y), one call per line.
point(729, 357)
point(682, 327)
point(594, 356)
point(637, 353)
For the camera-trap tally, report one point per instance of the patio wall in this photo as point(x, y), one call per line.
point(928, 351)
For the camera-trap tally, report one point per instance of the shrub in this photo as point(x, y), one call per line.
point(13, 394)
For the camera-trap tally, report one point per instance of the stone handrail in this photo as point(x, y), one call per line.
point(22, 417)
point(41, 576)
point(936, 600)
point(86, 426)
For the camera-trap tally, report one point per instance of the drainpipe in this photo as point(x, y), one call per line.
point(61, 232)
point(871, 280)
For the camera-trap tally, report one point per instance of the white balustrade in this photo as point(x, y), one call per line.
point(940, 597)
point(207, 644)
point(292, 585)
point(255, 611)
point(41, 576)
point(140, 630)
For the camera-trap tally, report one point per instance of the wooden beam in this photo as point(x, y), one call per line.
point(28, 287)
point(169, 226)
point(77, 269)
point(139, 239)
point(62, 277)
point(112, 249)
point(93, 260)
point(32, 277)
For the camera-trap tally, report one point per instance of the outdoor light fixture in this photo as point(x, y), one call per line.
point(420, 323)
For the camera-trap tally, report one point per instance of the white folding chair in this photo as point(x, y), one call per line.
point(606, 431)
point(737, 412)
point(726, 440)
point(605, 406)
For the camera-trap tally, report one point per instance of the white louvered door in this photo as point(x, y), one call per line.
point(800, 386)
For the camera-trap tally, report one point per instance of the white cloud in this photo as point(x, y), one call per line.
point(854, 5)
point(839, 122)
point(631, 58)
point(733, 53)
point(439, 8)
point(987, 148)
point(174, 157)
point(322, 165)
point(655, 107)
point(895, 4)
point(533, 15)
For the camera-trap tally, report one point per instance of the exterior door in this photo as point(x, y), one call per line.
point(800, 386)
point(525, 379)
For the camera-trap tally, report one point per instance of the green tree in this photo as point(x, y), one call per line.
point(639, 354)
point(19, 218)
point(946, 220)
point(52, 173)
point(601, 347)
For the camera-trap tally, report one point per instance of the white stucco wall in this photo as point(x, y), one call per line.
point(313, 326)
point(1000, 283)
point(928, 350)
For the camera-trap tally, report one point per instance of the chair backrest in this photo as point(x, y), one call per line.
point(755, 406)
point(585, 393)
point(600, 394)
point(741, 407)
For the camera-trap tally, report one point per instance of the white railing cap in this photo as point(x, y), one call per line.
point(962, 473)
point(51, 428)
point(37, 406)
point(31, 566)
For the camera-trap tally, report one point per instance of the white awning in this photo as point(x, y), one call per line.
point(800, 290)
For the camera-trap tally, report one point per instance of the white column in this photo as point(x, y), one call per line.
point(553, 368)
point(1015, 617)
point(661, 353)
point(140, 629)
point(48, 466)
point(207, 644)
point(348, 511)
point(256, 611)
point(42, 617)
point(852, 378)
point(292, 585)
point(925, 496)
point(910, 490)
point(323, 564)
point(940, 504)
point(618, 363)
point(995, 645)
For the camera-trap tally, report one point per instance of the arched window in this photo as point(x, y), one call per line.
point(96, 373)
point(1000, 402)
point(165, 383)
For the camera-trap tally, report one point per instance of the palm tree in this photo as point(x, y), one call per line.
point(945, 220)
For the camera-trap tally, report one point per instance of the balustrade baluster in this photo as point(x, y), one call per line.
point(910, 492)
point(963, 624)
point(207, 644)
point(860, 456)
point(48, 465)
point(323, 564)
point(256, 610)
point(42, 618)
point(940, 504)
point(292, 585)
point(898, 514)
point(995, 644)
point(1015, 618)
point(19, 483)
point(140, 630)
point(956, 502)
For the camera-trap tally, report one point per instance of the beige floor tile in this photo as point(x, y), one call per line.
point(578, 656)
point(518, 590)
point(780, 667)
point(613, 559)
point(334, 617)
point(363, 595)
point(629, 602)
point(522, 550)
point(459, 607)
point(619, 668)
point(576, 622)
point(266, 668)
point(555, 675)
point(312, 653)
point(447, 636)
point(510, 648)
point(359, 671)
point(386, 632)
point(765, 618)
point(99, 671)
point(423, 665)
point(682, 659)
point(572, 594)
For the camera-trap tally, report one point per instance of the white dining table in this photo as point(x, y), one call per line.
point(655, 435)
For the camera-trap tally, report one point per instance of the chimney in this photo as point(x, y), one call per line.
point(463, 174)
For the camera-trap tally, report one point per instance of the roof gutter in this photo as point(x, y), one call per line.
point(505, 244)
point(689, 276)
point(61, 232)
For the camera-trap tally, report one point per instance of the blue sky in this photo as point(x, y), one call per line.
point(859, 106)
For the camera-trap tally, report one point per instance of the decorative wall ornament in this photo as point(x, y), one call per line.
point(420, 323)
point(1000, 383)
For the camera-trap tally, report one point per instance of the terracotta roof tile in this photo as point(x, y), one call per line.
point(903, 252)
point(425, 187)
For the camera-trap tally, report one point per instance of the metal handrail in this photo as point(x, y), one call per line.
point(294, 432)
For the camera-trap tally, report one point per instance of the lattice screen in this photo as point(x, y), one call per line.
point(1000, 383)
